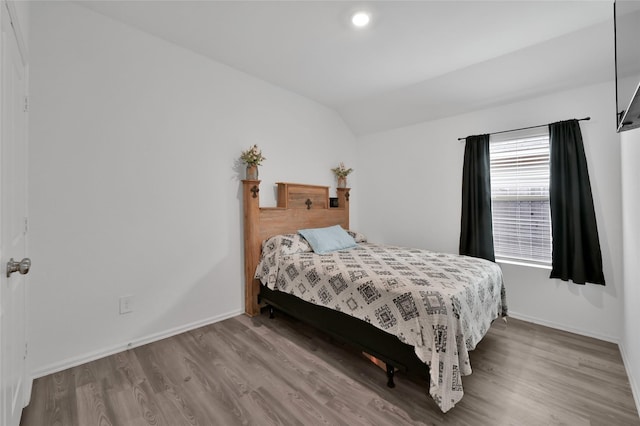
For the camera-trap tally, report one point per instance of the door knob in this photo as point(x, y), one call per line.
point(22, 266)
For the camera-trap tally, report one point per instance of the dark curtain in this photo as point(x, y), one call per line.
point(576, 252)
point(476, 228)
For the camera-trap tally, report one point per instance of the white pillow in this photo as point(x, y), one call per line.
point(360, 238)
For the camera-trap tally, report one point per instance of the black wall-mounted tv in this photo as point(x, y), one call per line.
point(627, 48)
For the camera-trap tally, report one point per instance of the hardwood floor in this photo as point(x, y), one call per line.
point(258, 371)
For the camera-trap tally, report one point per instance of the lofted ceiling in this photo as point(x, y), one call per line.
point(417, 61)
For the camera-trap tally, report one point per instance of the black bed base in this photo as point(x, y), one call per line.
point(349, 330)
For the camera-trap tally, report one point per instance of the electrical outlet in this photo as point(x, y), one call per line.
point(126, 305)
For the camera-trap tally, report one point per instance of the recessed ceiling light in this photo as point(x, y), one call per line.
point(360, 19)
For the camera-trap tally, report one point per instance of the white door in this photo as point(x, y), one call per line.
point(13, 216)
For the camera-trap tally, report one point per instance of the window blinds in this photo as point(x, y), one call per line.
point(520, 199)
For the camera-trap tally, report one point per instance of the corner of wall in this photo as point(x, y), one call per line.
point(630, 345)
point(635, 389)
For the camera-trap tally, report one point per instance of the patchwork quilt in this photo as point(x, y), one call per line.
point(441, 304)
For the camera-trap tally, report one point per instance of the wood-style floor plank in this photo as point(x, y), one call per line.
point(257, 371)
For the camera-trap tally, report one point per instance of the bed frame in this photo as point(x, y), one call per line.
point(307, 206)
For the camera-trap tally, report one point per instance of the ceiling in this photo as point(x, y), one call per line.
point(417, 61)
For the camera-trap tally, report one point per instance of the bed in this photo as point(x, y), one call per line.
point(415, 310)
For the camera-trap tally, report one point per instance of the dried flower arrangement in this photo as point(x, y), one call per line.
point(341, 171)
point(253, 156)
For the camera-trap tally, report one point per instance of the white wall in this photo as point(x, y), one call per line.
point(631, 225)
point(412, 197)
point(134, 181)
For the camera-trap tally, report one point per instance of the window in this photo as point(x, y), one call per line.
point(520, 198)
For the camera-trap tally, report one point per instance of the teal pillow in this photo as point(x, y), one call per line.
point(325, 240)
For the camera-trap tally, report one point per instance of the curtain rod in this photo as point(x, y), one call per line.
point(525, 128)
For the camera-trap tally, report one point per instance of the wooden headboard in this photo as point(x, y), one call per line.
point(299, 206)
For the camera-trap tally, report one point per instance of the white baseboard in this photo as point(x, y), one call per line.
point(101, 353)
point(546, 323)
point(635, 390)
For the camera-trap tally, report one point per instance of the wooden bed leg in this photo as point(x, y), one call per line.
point(390, 372)
point(271, 312)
